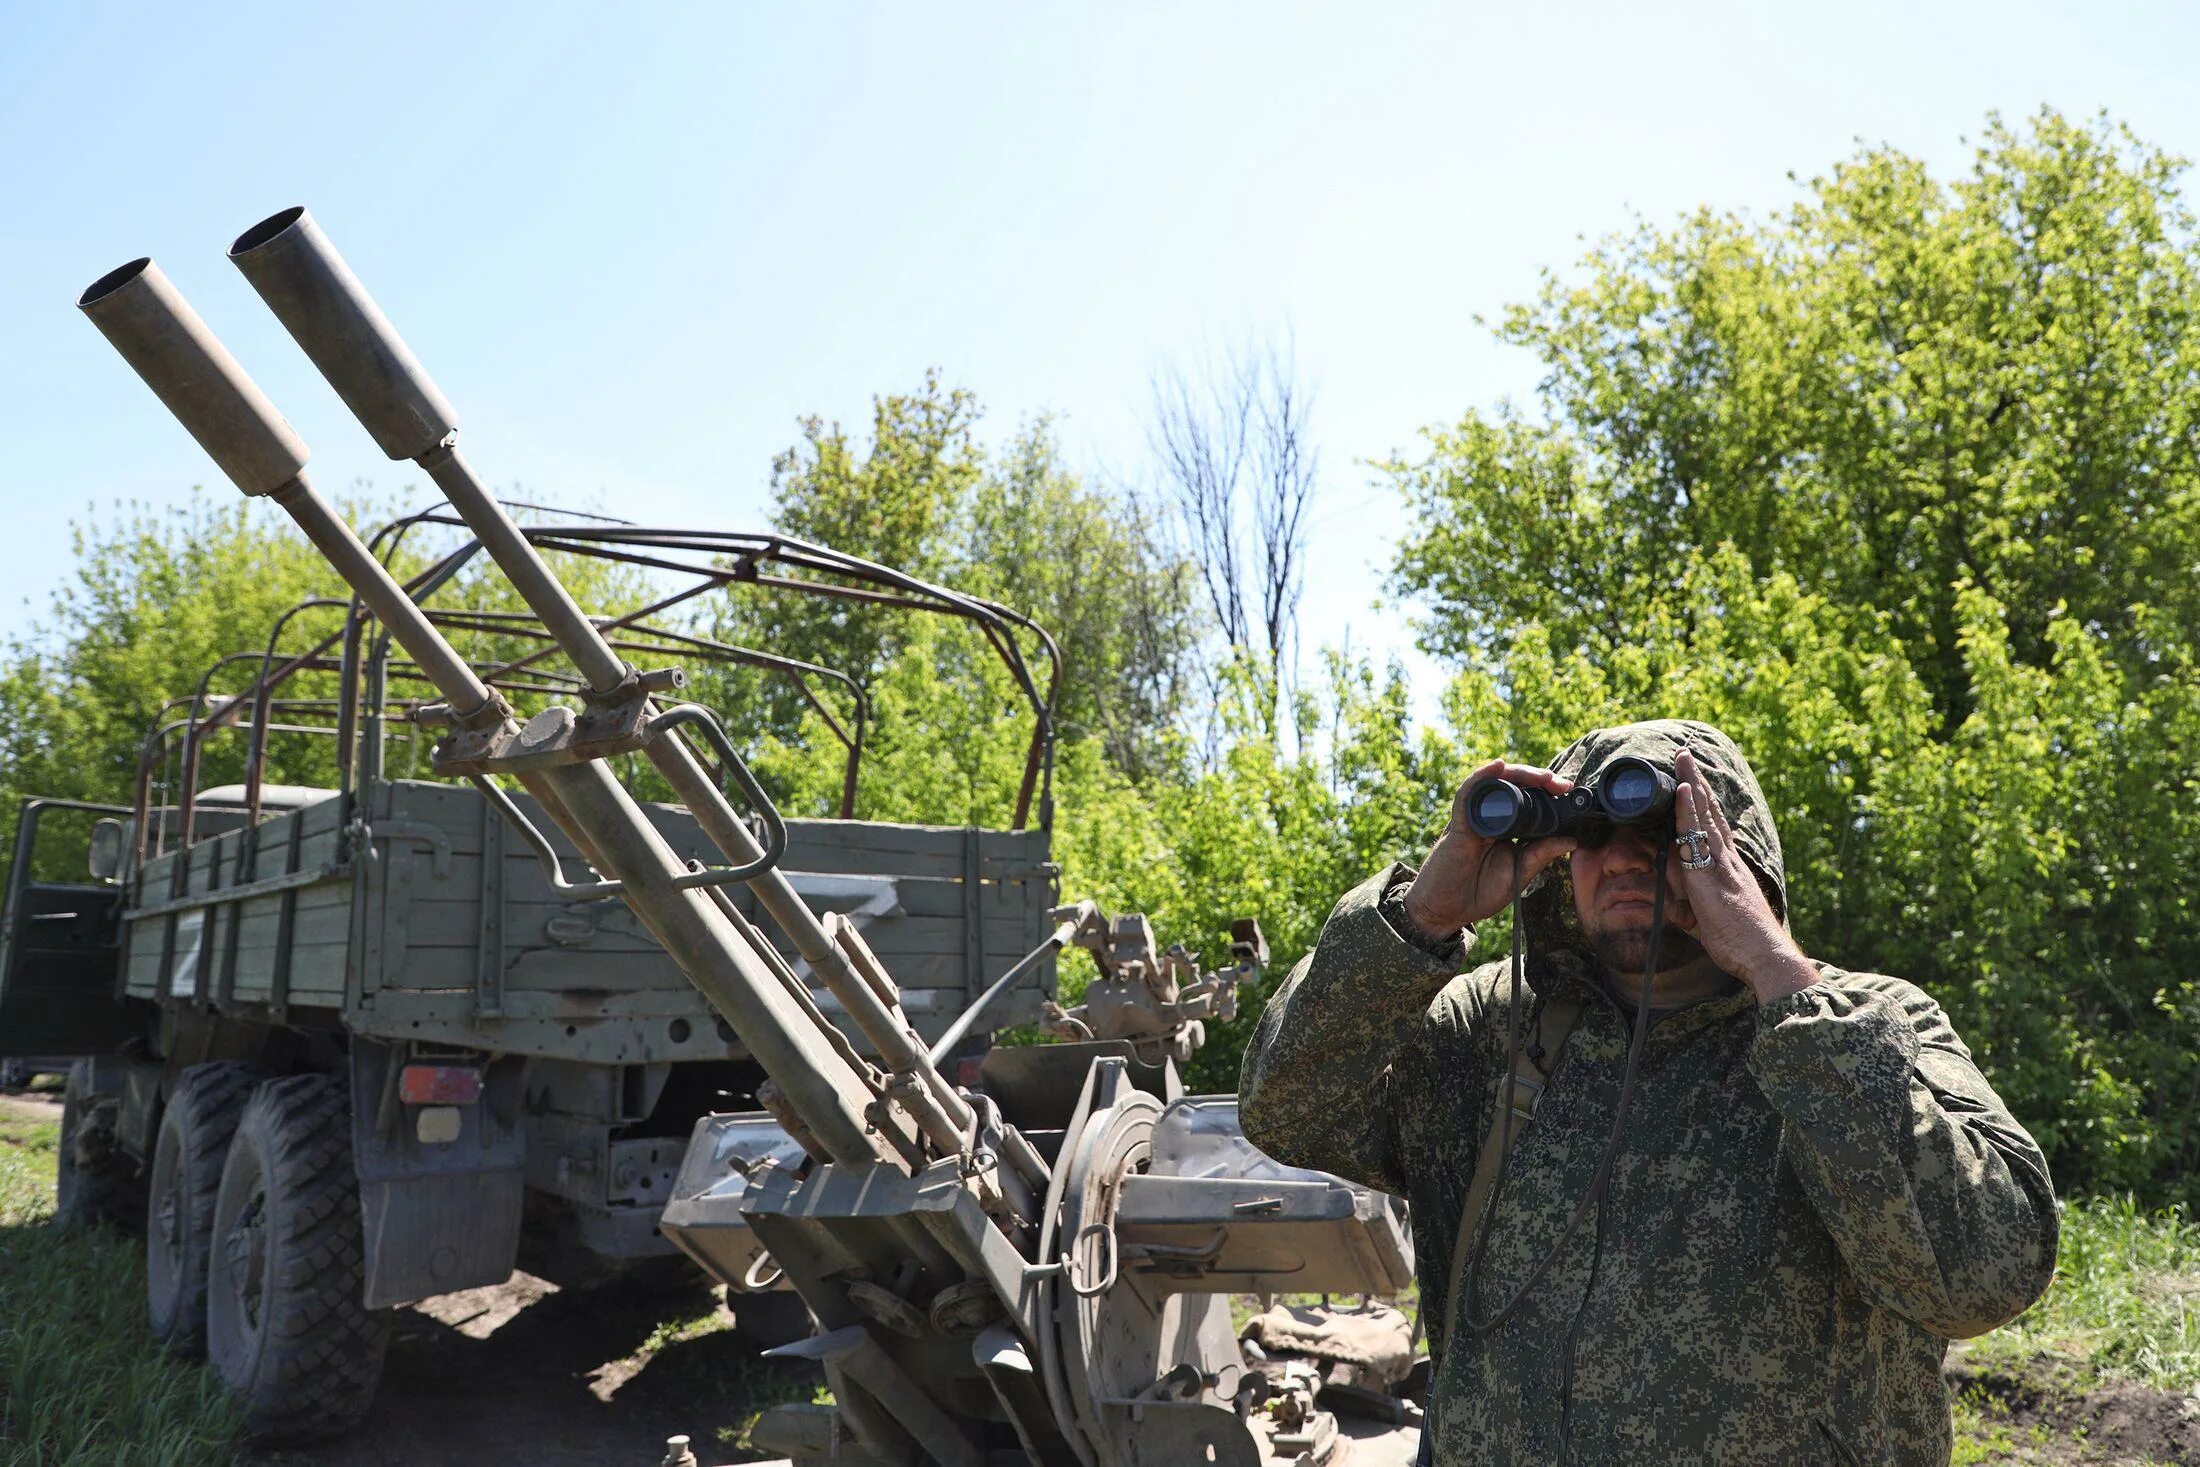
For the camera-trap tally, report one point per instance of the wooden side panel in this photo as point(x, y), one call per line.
point(244, 950)
point(905, 887)
point(418, 920)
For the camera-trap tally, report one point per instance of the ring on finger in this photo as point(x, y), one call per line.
point(1695, 848)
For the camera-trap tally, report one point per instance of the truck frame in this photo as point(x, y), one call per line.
point(409, 942)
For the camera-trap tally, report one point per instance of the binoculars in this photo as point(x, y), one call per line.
point(1628, 791)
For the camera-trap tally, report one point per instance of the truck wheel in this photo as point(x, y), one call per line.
point(179, 1205)
point(96, 1181)
point(286, 1324)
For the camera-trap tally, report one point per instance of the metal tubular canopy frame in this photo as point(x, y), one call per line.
point(823, 572)
point(714, 560)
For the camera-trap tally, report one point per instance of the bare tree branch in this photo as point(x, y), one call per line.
point(1238, 470)
point(1286, 468)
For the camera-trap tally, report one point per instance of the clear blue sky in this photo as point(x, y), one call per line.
point(633, 243)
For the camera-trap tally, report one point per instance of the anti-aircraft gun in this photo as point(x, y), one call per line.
point(1033, 1267)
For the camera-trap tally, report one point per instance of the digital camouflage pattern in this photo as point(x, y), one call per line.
point(1813, 1197)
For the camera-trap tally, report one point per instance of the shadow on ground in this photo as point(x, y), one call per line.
point(523, 1372)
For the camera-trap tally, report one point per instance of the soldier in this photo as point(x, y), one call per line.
point(1762, 1257)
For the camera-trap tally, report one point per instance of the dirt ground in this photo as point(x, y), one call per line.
point(523, 1372)
point(2051, 1418)
point(32, 1105)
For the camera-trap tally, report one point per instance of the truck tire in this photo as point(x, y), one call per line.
point(286, 1324)
point(179, 1203)
point(96, 1181)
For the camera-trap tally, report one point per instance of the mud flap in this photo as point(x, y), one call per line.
point(438, 1216)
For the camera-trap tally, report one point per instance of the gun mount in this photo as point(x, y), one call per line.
point(1159, 1001)
point(1034, 1266)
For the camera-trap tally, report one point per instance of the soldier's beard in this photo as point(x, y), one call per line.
point(1625, 952)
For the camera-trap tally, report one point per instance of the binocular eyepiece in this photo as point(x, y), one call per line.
point(1628, 791)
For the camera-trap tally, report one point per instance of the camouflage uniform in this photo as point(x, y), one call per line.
point(1814, 1195)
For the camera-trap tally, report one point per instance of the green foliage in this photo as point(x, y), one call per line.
point(946, 744)
point(1900, 387)
point(153, 600)
point(923, 496)
point(1899, 490)
point(890, 502)
point(1083, 564)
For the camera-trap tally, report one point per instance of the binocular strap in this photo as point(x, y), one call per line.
point(1474, 1221)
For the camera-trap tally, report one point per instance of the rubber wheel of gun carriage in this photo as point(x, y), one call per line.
point(95, 1179)
point(179, 1201)
point(1118, 1334)
point(286, 1321)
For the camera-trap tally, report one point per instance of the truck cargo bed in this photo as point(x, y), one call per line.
point(445, 927)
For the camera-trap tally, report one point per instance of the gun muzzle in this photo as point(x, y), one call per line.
point(322, 304)
point(164, 341)
point(189, 370)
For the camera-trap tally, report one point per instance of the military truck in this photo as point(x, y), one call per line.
point(400, 994)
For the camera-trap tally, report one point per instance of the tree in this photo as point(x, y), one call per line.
point(1014, 526)
point(154, 598)
point(1092, 569)
point(1899, 388)
point(892, 501)
point(1238, 469)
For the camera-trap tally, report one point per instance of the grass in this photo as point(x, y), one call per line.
point(80, 1377)
point(1985, 1438)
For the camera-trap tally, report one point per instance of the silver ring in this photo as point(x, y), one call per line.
point(1695, 848)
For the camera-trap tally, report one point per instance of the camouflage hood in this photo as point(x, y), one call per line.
point(1548, 907)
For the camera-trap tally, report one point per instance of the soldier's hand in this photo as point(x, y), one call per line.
point(1467, 878)
point(1727, 911)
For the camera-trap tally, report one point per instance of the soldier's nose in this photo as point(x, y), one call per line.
point(1628, 850)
